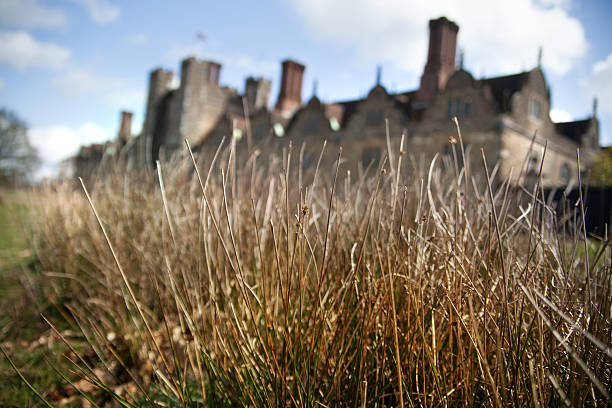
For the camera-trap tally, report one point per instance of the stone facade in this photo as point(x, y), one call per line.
point(95, 158)
point(507, 116)
point(189, 112)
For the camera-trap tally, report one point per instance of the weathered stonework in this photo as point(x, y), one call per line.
point(500, 115)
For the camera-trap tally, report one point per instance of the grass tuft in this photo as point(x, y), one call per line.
point(277, 285)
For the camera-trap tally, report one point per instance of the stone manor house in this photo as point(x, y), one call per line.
point(500, 114)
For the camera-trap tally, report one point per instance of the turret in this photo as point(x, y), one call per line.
point(160, 83)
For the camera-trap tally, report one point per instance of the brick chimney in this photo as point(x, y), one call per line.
point(440, 59)
point(125, 129)
point(290, 96)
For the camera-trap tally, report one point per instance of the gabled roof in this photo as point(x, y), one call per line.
point(460, 79)
point(503, 87)
point(403, 101)
point(404, 97)
point(347, 109)
point(574, 130)
point(313, 103)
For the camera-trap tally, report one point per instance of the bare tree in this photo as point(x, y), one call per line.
point(18, 158)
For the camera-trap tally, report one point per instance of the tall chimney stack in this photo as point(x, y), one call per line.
point(290, 96)
point(125, 129)
point(440, 59)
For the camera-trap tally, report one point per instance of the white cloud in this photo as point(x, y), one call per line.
point(57, 142)
point(555, 3)
point(136, 127)
point(117, 92)
point(30, 14)
point(558, 115)
point(46, 171)
point(500, 37)
point(92, 133)
point(2, 83)
point(20, 50)
point(599, 85)
point(137, 39)
point(100, 11)
point(602, 66)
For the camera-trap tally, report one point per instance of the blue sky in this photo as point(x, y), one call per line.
point(68, 67)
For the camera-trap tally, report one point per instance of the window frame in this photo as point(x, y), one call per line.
point(535, 108)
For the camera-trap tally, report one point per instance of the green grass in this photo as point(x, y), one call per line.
point(14, 249)
point(23, 334)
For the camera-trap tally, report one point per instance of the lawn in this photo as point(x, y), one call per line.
point(14, 248)
point(23, 334)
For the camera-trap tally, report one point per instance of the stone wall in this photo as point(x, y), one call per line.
point(499, 115)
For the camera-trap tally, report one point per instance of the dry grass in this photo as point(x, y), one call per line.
point(238, 286)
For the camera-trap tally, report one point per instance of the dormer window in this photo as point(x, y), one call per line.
point(535, 108)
